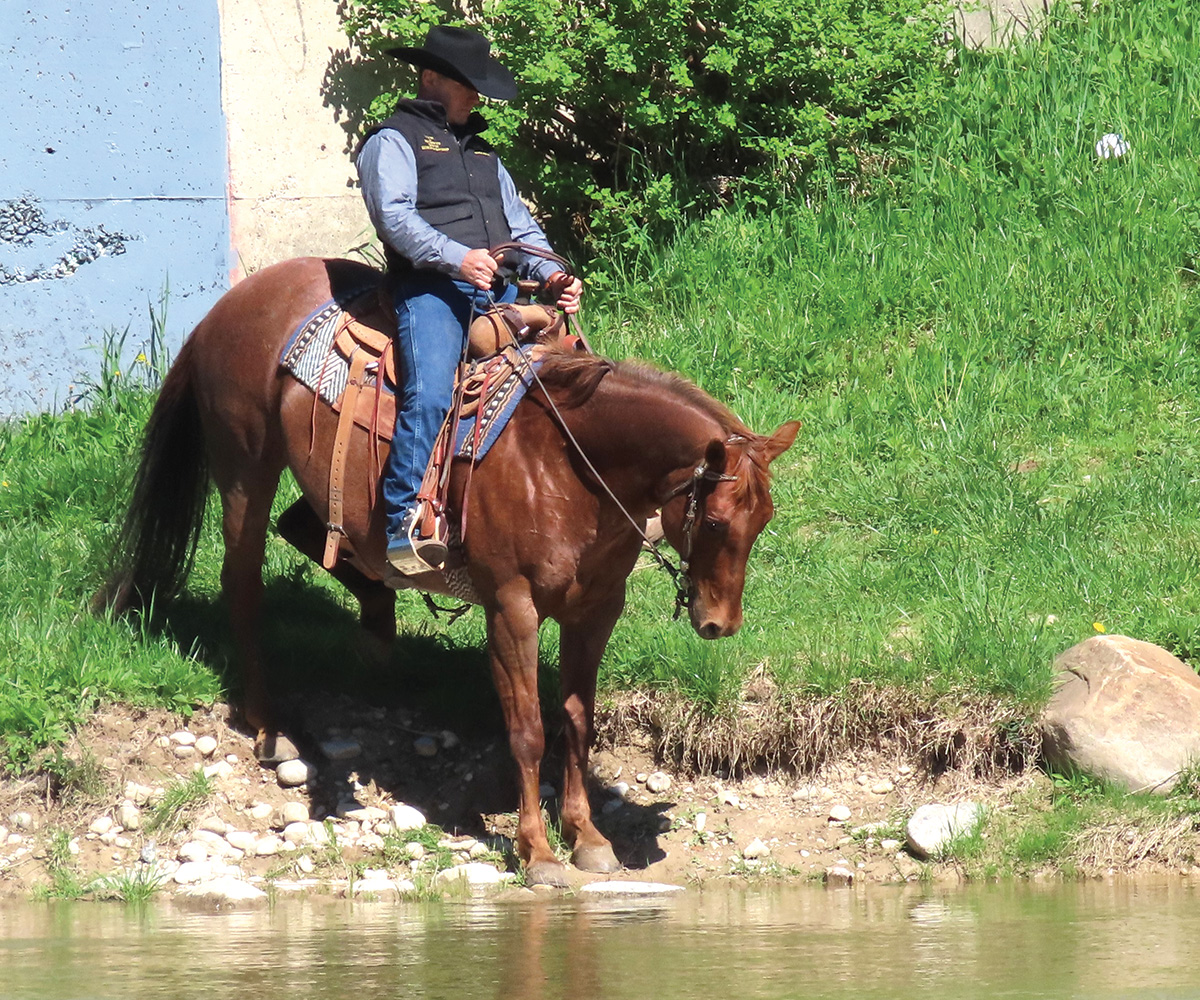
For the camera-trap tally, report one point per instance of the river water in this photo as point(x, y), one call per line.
point(1093, 940)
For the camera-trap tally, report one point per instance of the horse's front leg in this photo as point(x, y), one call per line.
point(513, 649)
point(581, 645)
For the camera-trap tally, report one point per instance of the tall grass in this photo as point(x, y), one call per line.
point(994, 356)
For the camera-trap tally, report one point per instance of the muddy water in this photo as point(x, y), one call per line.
point(1089, 941)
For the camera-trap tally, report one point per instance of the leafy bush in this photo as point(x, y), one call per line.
point(635, 114)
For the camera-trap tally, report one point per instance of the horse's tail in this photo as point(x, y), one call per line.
point(157, 543)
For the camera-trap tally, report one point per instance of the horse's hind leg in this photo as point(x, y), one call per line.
point(302, 528)
point(246, 496)
point(581, 644)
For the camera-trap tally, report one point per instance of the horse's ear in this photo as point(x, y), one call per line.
point(714, 455)
point(782, 439)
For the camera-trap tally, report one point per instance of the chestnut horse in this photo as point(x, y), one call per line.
point(543, 539)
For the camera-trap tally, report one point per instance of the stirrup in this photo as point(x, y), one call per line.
point(411, 554)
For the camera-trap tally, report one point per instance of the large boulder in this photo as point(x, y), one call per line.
point(1124, 711)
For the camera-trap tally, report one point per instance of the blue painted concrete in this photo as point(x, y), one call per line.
point(112, 183)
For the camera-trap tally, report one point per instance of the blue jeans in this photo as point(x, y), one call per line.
point(432, 315)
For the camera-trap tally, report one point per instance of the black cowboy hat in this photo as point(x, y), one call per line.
point(463, 55)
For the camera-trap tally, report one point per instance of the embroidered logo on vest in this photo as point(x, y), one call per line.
point(433, 145)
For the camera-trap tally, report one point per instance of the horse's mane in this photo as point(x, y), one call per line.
point(574, 377)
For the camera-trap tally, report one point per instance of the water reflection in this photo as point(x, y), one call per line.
point(1089, 941)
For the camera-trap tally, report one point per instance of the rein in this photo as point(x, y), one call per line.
point(691, 487)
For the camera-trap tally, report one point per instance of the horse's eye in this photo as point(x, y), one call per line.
point(712, 524)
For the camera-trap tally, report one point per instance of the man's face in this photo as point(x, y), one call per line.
point(458, 99)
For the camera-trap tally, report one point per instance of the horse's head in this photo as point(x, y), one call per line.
point(714, 519)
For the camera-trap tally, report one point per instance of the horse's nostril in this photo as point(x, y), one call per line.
point(709, 630)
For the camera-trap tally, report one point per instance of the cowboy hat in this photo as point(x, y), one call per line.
point(463, 55)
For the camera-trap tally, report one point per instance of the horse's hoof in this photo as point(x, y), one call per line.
point(549, 873)
point(598, 859)
point(272, 750)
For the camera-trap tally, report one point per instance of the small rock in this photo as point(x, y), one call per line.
point(863, 779)
point(192, 871)
point(382, 887)
point(183, 738)
point(756, 849)
point(817, 793)
point(295, 833)
point(290, 812)
point(129, 816)
point(193, 850)
point(477, 850)
point(243, 840)
point(341, 748)
point(889, 846)
point(618, 789)
point(933, 826)
point(139, 795)
point(474, 874)
point(225, 891)
point(449, 740)
point(370, 842)
point(658, 782)
point(149, 853)
point(231, 758)
point(641, 777)
point(727, 798)
point(758, 790)
point(260, 811)
point(206, 746)
point(425, 746)
point(414, 850)
point(305, 864)
point(122, 842)
point(110, 838)
point(266, 847)
point(404, 817)
point(317, 832)
point(99, 826)
point(221, 769)
point(882, 787)
point(839, 875)
point(184, 750)
point(904, 770)
point(839, 813)
point(700, 821)
point(211, 824)
point(293, 773)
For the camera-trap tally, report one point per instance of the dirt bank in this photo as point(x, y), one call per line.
point(695, 829)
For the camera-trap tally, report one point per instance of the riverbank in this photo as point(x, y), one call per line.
point(143, 800)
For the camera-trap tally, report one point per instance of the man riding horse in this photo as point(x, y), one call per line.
point(439, 197)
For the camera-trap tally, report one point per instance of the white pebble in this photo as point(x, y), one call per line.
point(193, 851)
point(839, 813)
point(657, 782)
point(129, 816)
point(206, 746)
point(882, 787)
point(101, 825)
point(291, 812)
point(184, 750)
point(292, 773)
point(404, 817)
point(756, 849)
point(183, 738)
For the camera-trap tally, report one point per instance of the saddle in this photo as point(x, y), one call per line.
point(364, 342)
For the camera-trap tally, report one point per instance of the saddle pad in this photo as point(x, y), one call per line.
point(309, 355)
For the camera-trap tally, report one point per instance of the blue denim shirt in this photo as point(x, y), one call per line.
point(387, 171)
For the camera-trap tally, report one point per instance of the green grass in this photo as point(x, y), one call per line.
point(994, 354)
point(181, 800)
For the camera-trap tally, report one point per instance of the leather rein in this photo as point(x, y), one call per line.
point(692, 487)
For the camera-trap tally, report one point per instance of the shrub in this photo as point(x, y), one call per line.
point(637, 114)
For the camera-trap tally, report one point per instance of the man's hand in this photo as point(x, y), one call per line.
point(568, 290)
point(479, 268)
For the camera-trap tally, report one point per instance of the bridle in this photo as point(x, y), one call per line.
point(691, 488)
